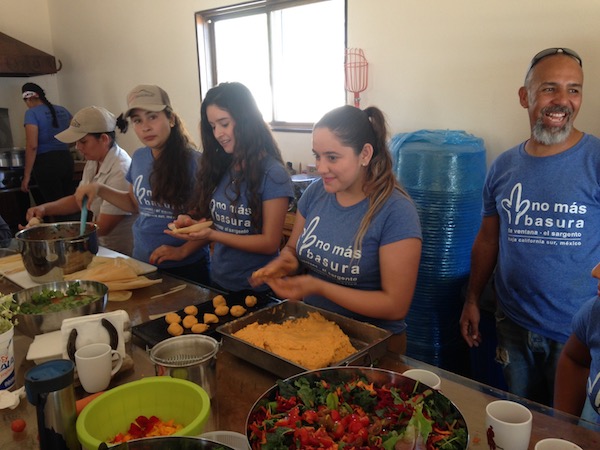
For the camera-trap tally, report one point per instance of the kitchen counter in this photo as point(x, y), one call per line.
point(240, 383)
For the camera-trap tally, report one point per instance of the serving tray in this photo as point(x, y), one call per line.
point(369, 340)
point(19, 275)
point(155, 331)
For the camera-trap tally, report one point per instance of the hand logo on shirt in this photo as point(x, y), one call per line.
point(515, 203)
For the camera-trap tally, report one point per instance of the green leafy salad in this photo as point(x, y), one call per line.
point(355, 415)
point(50, 300)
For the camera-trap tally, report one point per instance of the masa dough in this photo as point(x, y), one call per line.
point(312, 342)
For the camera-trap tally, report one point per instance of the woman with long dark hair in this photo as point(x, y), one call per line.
point(48, 162)
point(243, 186)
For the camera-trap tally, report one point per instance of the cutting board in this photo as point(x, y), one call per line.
point(22, 277)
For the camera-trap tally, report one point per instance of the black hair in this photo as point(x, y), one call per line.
point(253, 141)
point(42, 95)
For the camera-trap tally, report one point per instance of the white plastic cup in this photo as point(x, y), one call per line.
point(426, 377)
point(556, 444)
point(95, 366)
point(7, 359)
point(508, 425)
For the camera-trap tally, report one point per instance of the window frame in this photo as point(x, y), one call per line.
point(206, 49)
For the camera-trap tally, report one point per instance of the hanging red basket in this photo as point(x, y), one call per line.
point(356, 73)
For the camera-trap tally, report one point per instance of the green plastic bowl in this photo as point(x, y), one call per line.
point(164, 397)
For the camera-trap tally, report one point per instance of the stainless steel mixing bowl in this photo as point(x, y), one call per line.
point(52, 250)
point(169, 443)
point(34, 324)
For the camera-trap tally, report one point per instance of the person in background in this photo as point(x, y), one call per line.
point(243, 187)
point(48, 162)
point(93, 132)
point(541, 215)
point(5, 233)
point(161, 183)
point(357, 234)
point(578, 371)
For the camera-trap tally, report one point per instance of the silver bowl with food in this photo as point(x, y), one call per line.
point(43, 308)
point(359, 407)
point(168, 443)
point(52, 250)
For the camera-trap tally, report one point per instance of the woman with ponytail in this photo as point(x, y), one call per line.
point(48, 162)
point(356, 243)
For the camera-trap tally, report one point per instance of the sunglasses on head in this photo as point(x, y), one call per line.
point(553, 51)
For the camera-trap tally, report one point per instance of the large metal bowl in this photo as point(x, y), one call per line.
point(34, 324)
point(53, 250)
point(378, 377)
point(168, 443)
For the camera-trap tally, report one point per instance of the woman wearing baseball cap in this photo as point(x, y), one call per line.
point(48, 161)
point(93, 132)
point(161, 181)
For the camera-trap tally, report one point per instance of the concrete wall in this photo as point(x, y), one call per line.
point(433, 64)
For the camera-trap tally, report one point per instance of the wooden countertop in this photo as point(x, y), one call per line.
point(240, 384)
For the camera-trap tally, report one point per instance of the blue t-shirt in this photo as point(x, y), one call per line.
point(231, 268)
point(586, 326)
point(549, 214)
point(41, 116)
point(153, 218)
point(325, 246)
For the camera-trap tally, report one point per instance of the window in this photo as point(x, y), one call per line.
point(289, 53)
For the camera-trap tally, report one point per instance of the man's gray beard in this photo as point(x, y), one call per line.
point(551, 136)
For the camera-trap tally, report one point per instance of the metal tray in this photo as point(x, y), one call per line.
point(369, 340)
point(155, 331)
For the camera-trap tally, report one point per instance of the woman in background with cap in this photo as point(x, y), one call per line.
point(243, 184)
point(93, 132)
point(161, 182)
point(46, 158)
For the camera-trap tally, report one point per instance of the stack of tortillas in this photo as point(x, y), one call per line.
point(121, 275)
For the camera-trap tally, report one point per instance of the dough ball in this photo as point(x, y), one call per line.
point(175, 329)
point(199, 328)
point(222, 310)
point(189, 321)
point(219, 300)
point(250, 301)
point(191, 309)
point(210, 318)
point(237, 311)
point(172, 318)
point(34, 221)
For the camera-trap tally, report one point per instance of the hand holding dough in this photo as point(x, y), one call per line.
point(192, 228)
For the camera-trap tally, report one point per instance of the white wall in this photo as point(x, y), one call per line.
point(27, 21)
point(433, 64)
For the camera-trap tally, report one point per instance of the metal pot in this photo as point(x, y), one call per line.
point(52, 250)
point(192, 357)
point(5, 159)
point(17, 157)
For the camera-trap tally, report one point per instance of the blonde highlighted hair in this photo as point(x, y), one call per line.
point(354, 128)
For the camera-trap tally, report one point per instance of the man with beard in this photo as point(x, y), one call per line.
point(539, 234)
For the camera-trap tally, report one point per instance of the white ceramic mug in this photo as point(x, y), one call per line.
point(95, 366)
point(424, 376)
point(556, 444)
point(508, 425)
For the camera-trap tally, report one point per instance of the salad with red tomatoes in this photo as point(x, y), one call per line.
point(308, 413)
